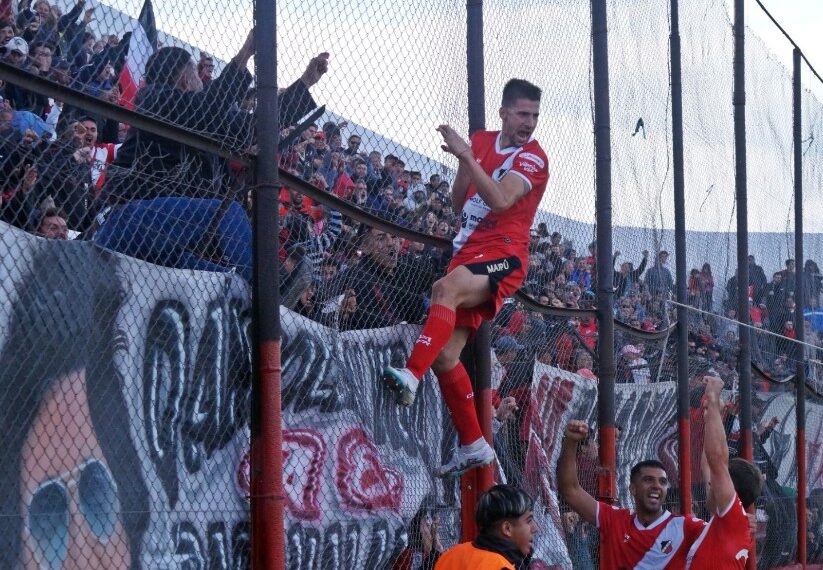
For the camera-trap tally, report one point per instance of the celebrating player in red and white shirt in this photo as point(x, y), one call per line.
point(651, 537)
point(500, 180)
point(726, 542)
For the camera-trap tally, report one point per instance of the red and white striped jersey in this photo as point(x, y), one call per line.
point(725, 543)
point(479, 225)
point(628, 544)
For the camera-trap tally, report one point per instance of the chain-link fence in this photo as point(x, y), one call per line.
point(127, 372)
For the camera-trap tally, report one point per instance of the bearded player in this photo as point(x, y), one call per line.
point(726, 542)
point(500, 180)
point(651, 536)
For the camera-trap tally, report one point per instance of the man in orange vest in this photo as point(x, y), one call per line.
point(507, 530)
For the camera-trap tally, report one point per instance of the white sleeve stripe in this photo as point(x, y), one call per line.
point(597, 516)
point(523, 176)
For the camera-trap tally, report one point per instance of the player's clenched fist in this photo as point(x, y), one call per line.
point(576, 430)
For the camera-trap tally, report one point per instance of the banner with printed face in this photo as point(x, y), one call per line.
point(124, 408)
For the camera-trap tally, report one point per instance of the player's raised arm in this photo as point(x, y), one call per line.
point(567, 482)
point(499, 196)
point(460, 187)
point(715, 447)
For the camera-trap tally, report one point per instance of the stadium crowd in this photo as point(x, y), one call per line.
point(56, 160)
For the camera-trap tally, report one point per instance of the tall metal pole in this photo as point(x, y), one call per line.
point(799, 321)
point(745, 360)
point(477, 357)
point(476, 65)
point(741, 196)
point(267, 500)
point(683, 425)
point(605, 269)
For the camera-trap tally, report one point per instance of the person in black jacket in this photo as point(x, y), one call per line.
point(383, 289)
point(628, 275)
point(175, 94)
point(166, 196)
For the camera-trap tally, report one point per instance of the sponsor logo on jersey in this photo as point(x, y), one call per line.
point(464, 218)
point(529, 167)
point(742, 555)
point(499, 266)
point(534, 158)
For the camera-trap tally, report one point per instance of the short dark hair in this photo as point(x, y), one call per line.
point(39, 45)
point(520, 89)
point(646, 463)
point(296, 253)
point(747, 480)
point(164, 65)
point(500, 503)
point(50, 213)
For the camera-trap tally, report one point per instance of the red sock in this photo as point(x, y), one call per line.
point(457, 392)
point(436, 332)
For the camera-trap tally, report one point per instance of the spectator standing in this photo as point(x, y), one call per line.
point(789, 275)
point(587, 329)
point(757, 280)
point(627, 276)
point(812, 283)
point(159, 181)
point(424, 547)
point(659, 277)
point(707, 287)
point(205, 68)
point(6, 32)
point(296, 278)
point(387, 287)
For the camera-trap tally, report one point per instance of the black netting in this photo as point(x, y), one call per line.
point(126, 348)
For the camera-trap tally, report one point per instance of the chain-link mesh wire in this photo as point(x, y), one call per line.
point(354, 296)
point(125, 396)
point(126, 384)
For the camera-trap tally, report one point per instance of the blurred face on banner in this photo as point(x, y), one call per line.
point(68, 495)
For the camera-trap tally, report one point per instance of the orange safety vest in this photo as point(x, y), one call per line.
point(466, 556)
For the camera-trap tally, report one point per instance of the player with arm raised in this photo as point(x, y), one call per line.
point(651, 537)
point(734, 486)
point(500, 180)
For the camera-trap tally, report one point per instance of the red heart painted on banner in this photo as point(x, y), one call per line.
point(304, 452)
point(363, 482)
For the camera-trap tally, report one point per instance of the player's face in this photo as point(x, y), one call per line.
point(649, 490)
point(519, 122)
point(522, 531)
